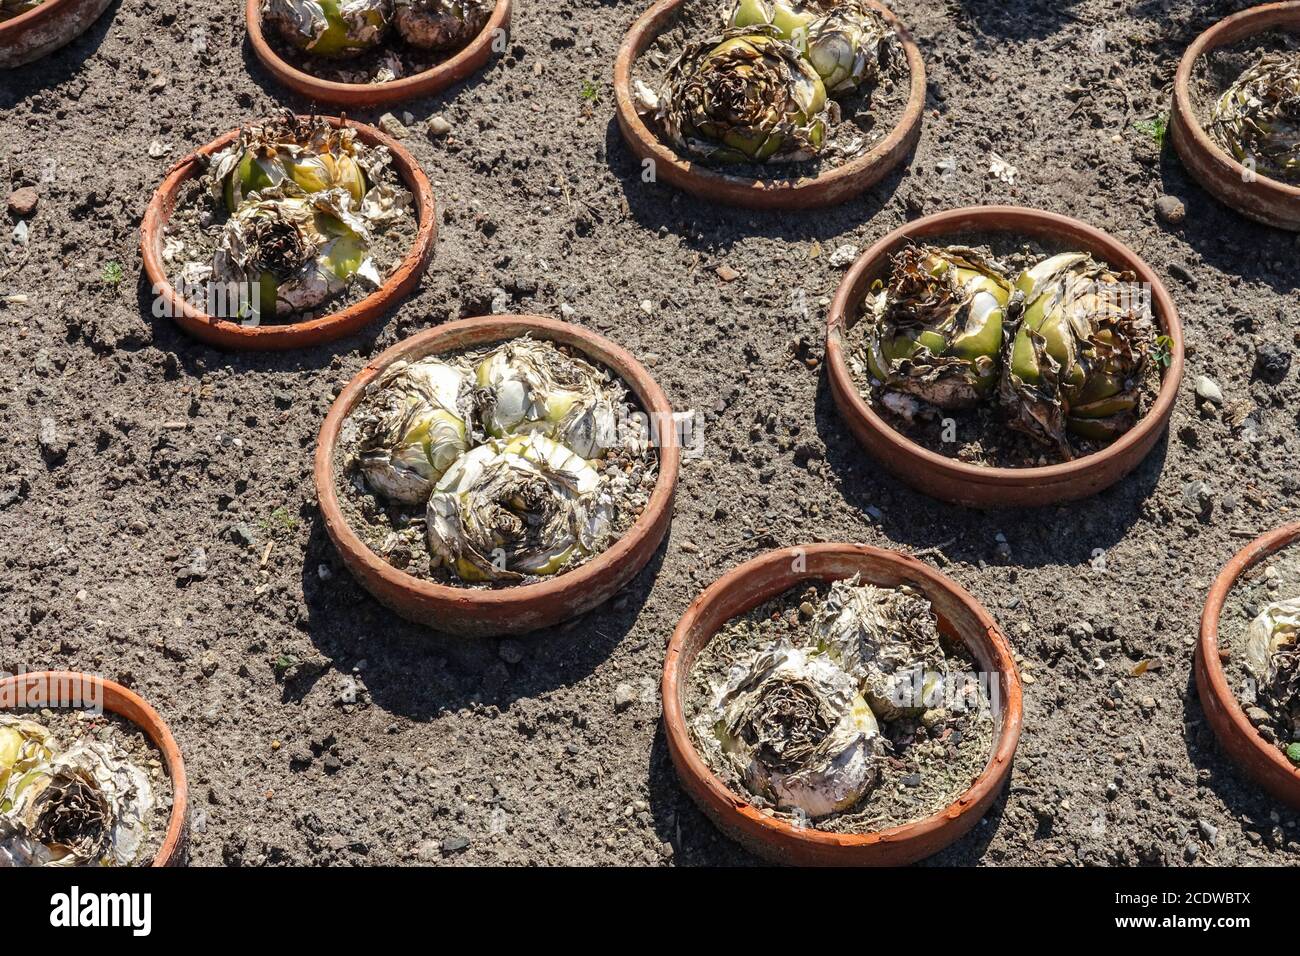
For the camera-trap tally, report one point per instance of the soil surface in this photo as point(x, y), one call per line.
point(158, 522)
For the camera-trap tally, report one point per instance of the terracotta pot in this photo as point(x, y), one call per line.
point(1262, 199)
point(56, 689)
point(52, 25)
point(512, 610)
point(826, 189)
point(225, 333)
point(356, 95)
point(972, 485)
point(770, 575)
point(1261, 760)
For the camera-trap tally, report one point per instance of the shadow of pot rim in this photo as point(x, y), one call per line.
point(1261, 760)
point(130, 706)
point(827, 188)
point(228, 334)
point(463, 64)
point(1251, 194)
point(1000, 486)
point(42, 30)
point(536, 605)
point(760, 579)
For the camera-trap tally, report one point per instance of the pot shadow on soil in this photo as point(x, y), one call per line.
point(422, 108)
point(697, 842)
point(1222, 237)
point(57, 67)
point(419, 673)
point(1240, 795)
point(196, 356)
point(1022, 20)
point(660, 204)
point(966, 535)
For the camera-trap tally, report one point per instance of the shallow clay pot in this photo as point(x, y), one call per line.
point(289, 335)
point(61, 689)
point(826, 189)
point(1259, 197)
point(772, 574)
point(53, 24)
point(972, 485)
point(1261, 760)
point(510, 610)
point(355, 95)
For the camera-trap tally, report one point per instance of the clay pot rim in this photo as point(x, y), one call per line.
point(825, 188)
point(155, 728)
point(1216, 681)
point(778, 832)
point(639, 381)
point(1224, 33)
point(1024, 221)
point(50, 8)
point(427, 83)
point(67, 20)
point(286, 335)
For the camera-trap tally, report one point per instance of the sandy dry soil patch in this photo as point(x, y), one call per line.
point(158, 522)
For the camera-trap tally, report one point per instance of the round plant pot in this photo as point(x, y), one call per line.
point(1259, 197)
point(772, 574)
point(1261, 760)
point(54, 24)
point(229, 334)
point(973, 485)
point(826, 189)
point(62, 689)
point(528, 607)
point(357, 95)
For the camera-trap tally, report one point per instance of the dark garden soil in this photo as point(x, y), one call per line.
point(158, 522)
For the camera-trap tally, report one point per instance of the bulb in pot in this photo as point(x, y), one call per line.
point(439, 24)
point(746, 95)
point(1076, 361)
point(936, 329)
point(414, 430)
point(338, 29)
point(516, 507)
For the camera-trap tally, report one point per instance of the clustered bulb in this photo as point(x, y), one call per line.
point(761, 90)
point(507, 456)
point(1061, 348)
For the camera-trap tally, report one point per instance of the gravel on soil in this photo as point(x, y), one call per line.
point(158, 522)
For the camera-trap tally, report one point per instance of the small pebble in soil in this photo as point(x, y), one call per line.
point(843, 256)
point(454, 844)
point(53, 443)
point(439, 126)
point(391, 125)
point(23, 203)
point(1207, 390)
point(1171, 210)
point(624, 695)
point(1272, 362)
